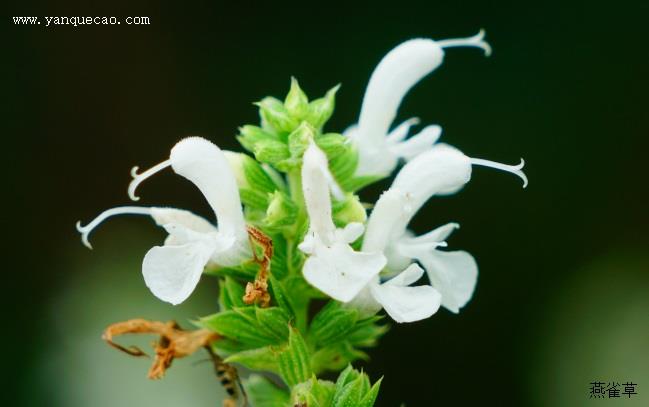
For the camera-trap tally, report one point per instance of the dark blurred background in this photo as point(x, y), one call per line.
point(563, 293)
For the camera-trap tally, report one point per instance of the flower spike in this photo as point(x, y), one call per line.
point(138, 178)
point(514, 169)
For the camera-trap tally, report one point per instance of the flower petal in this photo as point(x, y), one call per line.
point(408, 276)
point(172, 272)
point(441, 170)
point(454, 274)
point(407, 304)
point(340, 272)
point(316, 193)
point(418, 143)
point(387, 221)
point(397, 72)
point(204, 164)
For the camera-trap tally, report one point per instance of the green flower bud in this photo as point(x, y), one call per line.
point(348, 211)
point(333, 144)
point(353, 388)
point(313, 392)
point(320, 110)
point(273, 113)
point(296, 102)
point(299, 140)
point(271, 151)
point(281, 211)
point(250, 135)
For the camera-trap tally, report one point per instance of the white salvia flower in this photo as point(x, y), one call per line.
point(332, 266)
point(173, 270)
point(379, 149)
point(437, 171)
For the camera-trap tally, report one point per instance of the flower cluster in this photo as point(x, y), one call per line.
point(300, 193)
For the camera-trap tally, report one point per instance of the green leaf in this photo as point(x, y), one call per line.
point(294, 361)
point(265, 358)
point(275, 321)
point(332, 323)
point(336, 357)
point(263, 393)
point(296, 102)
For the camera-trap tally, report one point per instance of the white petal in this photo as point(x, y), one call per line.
point(340, 272)
point(418, 143)
point(440, 170)
point(316, 193)
point(437, 235)
point(400, 132)
point(351, 232)
point(454, 274)
point(387, 221)
point(397, 72)
point(189, 220)
point(407, 304)
point(204, 164)
point(408, 276)
point(172, 272)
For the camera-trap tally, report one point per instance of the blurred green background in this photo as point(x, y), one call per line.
point(563, 293)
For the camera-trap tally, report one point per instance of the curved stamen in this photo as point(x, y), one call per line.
point(121, 210)
point(138, 178)
point(475, 41)
point(514, 169)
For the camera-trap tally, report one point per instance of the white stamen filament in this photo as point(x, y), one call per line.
point(138, 178)
point(514, 169)
point(121, 210)
point(475, 41)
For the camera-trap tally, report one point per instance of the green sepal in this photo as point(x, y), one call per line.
point(281, 211)
point(273, 113)
point(353, 389)
point(313, 393)
point(367, 332)
point(296, 102)
point(295, 360)
point(332, 323)
point(240, 324)
point(231, 294)
point(271, 151)
point(348, 211)
point(278, 265)
point(333, 144)
point(262, 393)
point(274, 320)
point(320, 110)
point(355, 184)
point(281, 298)
point(265, 358)
point(254, 199)
point(250, 135)
point(336, 357)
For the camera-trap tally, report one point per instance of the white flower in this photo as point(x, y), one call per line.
point(332, 266)
point(173, 270)
point(437, 171)
point(379, 149)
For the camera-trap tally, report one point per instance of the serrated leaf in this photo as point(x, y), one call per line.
point(265, 358)
point(295, 360)
point(275, 320)
point(350, 394)
point(332, 323)
point(263, 393)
